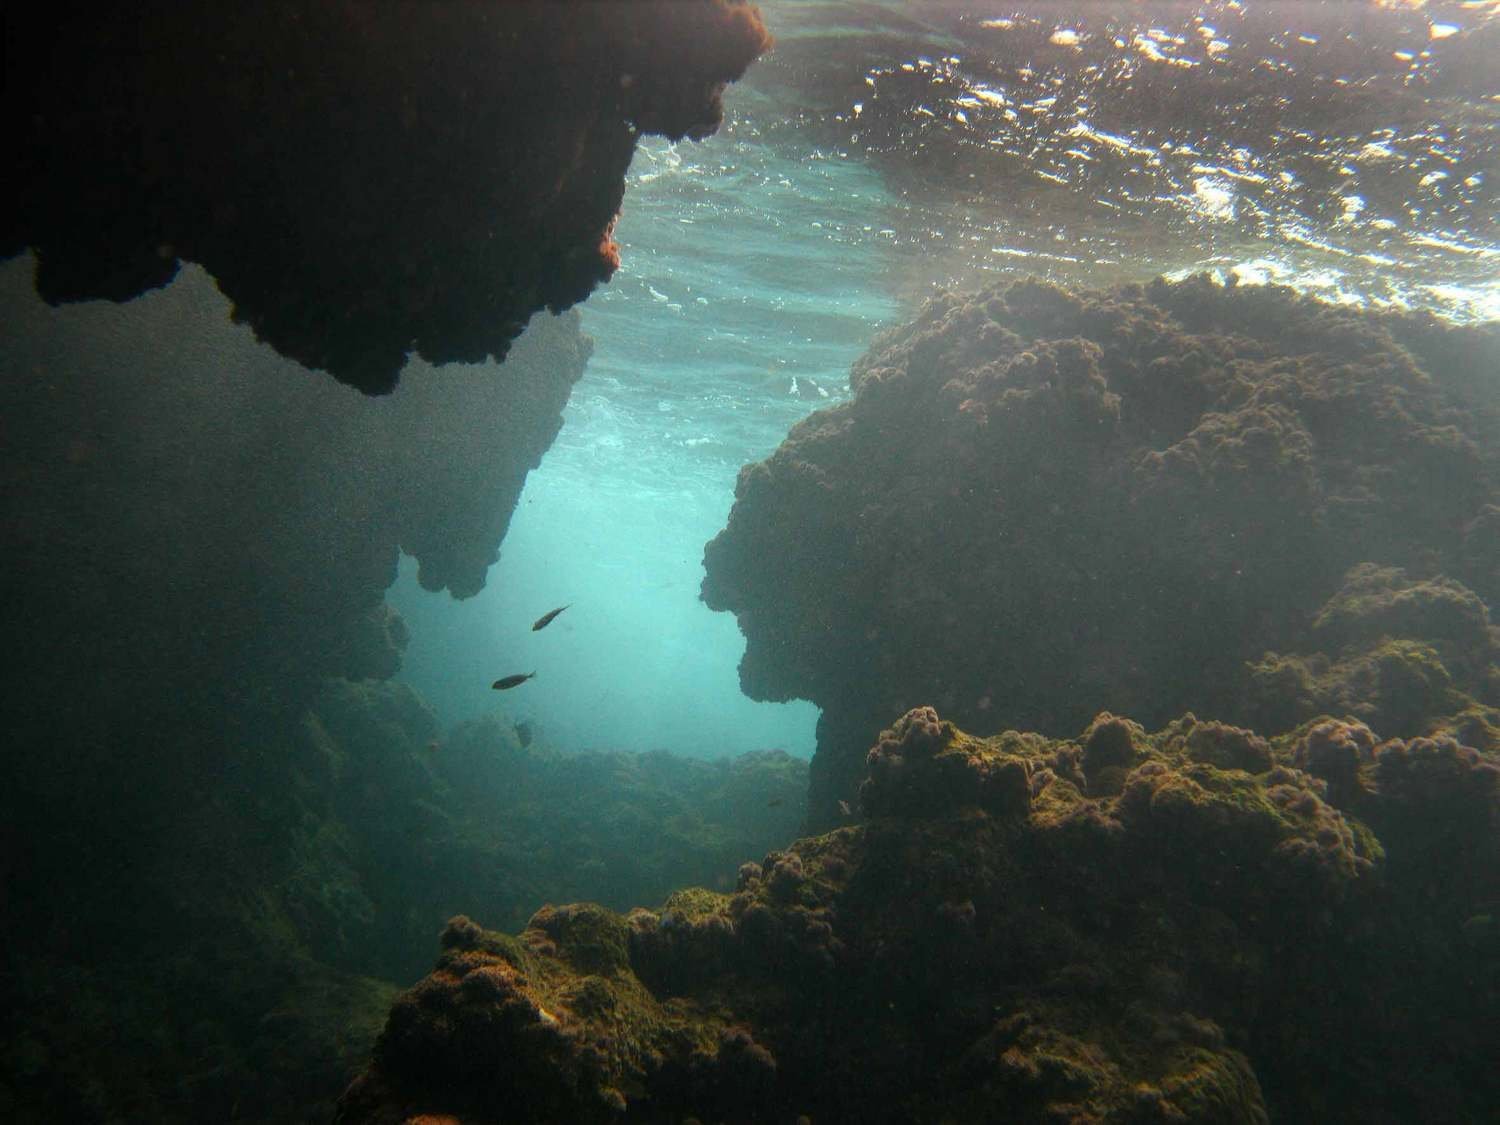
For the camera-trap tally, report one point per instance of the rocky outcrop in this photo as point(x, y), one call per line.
point(1186, 926)
point(206, 865)
point(237, 962)
point(197, 534)
point(363, 181)
point(1040, 503)
point(1399, 653)
point(192, 519)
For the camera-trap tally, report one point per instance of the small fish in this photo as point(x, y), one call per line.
point(508, 682)
point(774, 801)
point(845, 809)
point(433, 746)
point(546, 619)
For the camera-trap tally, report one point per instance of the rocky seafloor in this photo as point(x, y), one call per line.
point(237, 965)
point(1264, 525)
point(1190, 925)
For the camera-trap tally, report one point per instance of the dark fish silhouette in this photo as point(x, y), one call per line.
point(774, 801)
point(546, 619)
point(508, 682)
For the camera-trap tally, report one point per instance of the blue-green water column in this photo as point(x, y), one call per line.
point(749, 284)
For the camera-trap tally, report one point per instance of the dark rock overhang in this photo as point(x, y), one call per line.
point(364, 180)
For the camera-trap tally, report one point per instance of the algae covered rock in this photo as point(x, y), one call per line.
point(923, 766)
point(550, 1027)
point(1041, 503)
point(1408, 656)
point(1211, 937)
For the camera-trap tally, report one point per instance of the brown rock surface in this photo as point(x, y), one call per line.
point(1041, 503)
point(1204, 944)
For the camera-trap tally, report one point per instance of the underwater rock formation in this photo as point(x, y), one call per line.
point(195, 868)
point(239, 964)
point(472, 819)
point(192, 516)
point(363, 181)
point(1040, 503)
point(1186, 926)
point(1401, 654)
point(197, 534)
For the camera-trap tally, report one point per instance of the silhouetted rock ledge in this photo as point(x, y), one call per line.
point(1197, 925)
point(1041, 502)
point(197, 534)
point(363, 180)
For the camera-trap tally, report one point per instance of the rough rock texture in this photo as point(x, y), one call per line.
point(1119, 928)
point(1398, 653)
point(199, 880)
point(1040, 503)
point(364, 180)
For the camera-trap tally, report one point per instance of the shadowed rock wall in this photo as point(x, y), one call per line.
point(188, 509)
point(236, 958)
point(1042, 502)
point(197, 533)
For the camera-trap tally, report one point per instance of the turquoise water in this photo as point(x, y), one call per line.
point(882, 151)
point(750, 282)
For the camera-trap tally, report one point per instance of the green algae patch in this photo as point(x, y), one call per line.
point(1405, 655)
point(552, 1040)
point(1476, 725)
point(924, 767)
point(1376, 602)
point(694, 903)
point(1040, 1071)
point(1111, 746)
point(1058, 802)
point(1047, 1065)
point(592, 938)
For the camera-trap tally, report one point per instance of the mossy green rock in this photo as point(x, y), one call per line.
point(1198, 944)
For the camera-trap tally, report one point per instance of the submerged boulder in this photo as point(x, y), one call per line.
point(1040, 503)
point(1214, 939)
